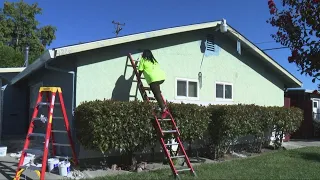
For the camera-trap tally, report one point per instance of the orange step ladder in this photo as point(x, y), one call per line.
point(161, 133)
point(50, 102)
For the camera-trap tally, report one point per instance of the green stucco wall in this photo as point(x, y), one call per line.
point(102, 73)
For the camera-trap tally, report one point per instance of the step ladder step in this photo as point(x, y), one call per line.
point(37, 135)
point(172, 144)
point(169, 131)
point(32, 168)
point(181, 170)
point(58, 131)
point(34, 151)
point(58, 144)
point(46, 104)
point(45, 119)
point(175, 157)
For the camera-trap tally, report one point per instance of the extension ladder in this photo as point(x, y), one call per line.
point(162, 132)
point(50, 103)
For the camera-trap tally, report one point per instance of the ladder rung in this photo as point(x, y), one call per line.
point(152, 98)
point(40, 119)
point(147, 88)
point(181, 170)
point(46, 104)
point(34, 151)
point(159, 119)
point(174, 157)
point(172, 144)
point(58, 131)
point(57, 118)
point(169, 131)
point(58, 144)
point(32, 168)
point(37, 134)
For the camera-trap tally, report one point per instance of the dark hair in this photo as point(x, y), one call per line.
point(147, 55)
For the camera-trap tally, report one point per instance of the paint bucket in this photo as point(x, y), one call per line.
point(52, 164)
point(27, 160)
point(64, 168)
point(3, 151)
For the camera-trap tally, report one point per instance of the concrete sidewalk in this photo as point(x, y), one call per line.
point(8, 164)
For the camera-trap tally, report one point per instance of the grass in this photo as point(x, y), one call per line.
point(286, 164)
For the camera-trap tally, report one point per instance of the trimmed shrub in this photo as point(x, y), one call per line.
point(230, 122)
point(106, 124)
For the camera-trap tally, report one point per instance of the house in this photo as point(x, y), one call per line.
point(309, 102)
point(203, 65)
point(7, 112)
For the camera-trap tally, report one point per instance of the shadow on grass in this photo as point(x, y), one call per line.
point(310, 156)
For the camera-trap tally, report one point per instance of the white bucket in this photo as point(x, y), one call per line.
point(3, 151)
point(52, 164)
point(27, 160)
point(64, 168)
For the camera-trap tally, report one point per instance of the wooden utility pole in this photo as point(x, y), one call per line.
point(119, 28)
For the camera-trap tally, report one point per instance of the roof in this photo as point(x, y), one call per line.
point(77, 48)
point(309, 91)
point(4, 71)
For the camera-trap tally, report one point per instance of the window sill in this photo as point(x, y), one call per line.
point(187, 98)
point(224, 100)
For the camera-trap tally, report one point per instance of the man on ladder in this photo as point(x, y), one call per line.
point(154, 76)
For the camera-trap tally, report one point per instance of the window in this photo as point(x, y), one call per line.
point(315, 104)
point(187, 89)
point(224, 91)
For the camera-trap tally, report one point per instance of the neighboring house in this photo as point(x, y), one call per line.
point(309, 102)
point(233, 70)
point(10, 116)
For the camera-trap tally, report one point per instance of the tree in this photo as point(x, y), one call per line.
point(19, 28)
point(298, 24)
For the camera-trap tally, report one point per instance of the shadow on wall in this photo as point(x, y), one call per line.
point(121, 91)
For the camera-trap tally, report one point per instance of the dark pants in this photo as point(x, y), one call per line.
point(155, 88)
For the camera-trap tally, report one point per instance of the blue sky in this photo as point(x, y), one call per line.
point(84, 20)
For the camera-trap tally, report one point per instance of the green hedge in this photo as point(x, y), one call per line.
point(105, 124)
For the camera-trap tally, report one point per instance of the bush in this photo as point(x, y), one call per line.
point(230, 122)
point(106, 124)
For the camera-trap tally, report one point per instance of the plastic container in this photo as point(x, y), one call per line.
point(64, 168)
point(3, 151)
point(52, 164)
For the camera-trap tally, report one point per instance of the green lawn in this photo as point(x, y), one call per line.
point(285, 164)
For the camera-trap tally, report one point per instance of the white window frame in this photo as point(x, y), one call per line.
point(215, 90)
point(186, 97)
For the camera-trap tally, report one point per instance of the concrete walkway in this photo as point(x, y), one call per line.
point(8, 164)
point(294, 144)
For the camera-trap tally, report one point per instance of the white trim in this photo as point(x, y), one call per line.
point(215, 90)
point(11, 70)
point(315, 100)
point(187, 86)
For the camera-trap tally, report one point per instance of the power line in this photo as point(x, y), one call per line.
point(277, 48)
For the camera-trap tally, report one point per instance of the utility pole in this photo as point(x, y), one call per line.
point(118, 29)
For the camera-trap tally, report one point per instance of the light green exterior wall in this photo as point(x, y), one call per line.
point(180, 57)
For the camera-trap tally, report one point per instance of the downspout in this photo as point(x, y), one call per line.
point(73, 80)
